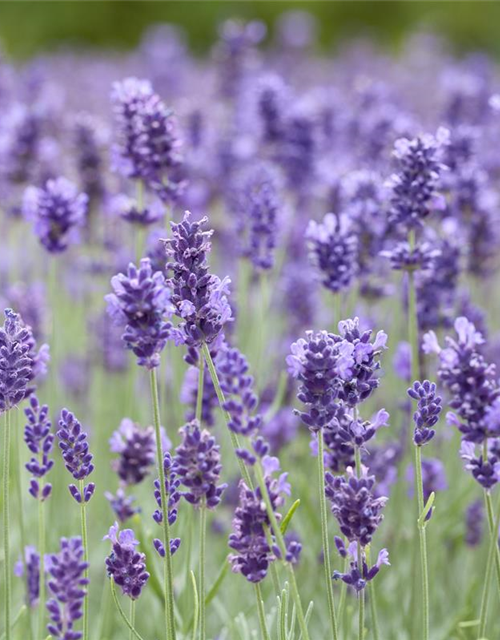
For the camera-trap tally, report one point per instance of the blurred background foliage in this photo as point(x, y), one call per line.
point(29, 27)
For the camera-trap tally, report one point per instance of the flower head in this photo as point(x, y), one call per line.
point(136, 447)
point(74, 446)
point(40, 441)
point(428, 410)
point(16, 361)
point(125, 565)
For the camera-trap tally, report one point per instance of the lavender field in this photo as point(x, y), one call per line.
point(249, 337)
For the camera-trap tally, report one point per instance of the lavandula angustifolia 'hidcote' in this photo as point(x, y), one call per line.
point(474, 395)
point(413, 196)
point(16, 372)
point(40, 441)
point(73, 442)
point(67, 583)
point(201, 304)
point(140, 301)
point(198, 467)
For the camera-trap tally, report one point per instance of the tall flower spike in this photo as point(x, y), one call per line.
point(32, 563)
point(357, 577)
point(428, 410)
point(414, 186)
point(40, 441)
point(140, 301)
point(57, 210)
point(67, 583)
point(125, 565)
point(122, 505)
point(199, 298)
point(16, 361)
point(172, 483)
point(198, 465)
point(147, 143)
point(137, 449)
point(333, 251)
point(75, 451)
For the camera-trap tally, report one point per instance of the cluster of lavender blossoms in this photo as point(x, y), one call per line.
point(172, 483)
point(16, 361)
point(136, 448)
point(74, 446)
point(125, 565)
point(40, 441)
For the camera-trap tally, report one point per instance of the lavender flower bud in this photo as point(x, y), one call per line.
point(32, 562)
point(428, 410)
point(137, 449)
point(40, 441)
point(125, 565)
point(16, 361)
point(75, 451)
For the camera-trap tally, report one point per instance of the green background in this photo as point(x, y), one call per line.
point(29, 27)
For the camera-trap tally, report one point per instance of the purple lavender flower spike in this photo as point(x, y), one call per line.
point(333, 251)
point(137, 449)
point(189, 395)
point(140, 301)
point(122, 505)
point(271, 106)
point(486, 471)
point(75, 451)
point(356, 577)
point(414, 186)
point(198, 466)
point(68, 586)
point(32, 563)
point(199, 298)
point(16, 361)
point(357, 510)
point(125, 565)
point(428, 410)
point(422, 257)
point(474, 521)
point(147, 143)
point(57, 211)
point(40, 441)
point(172, 483)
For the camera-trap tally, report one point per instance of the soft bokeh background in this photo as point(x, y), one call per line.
point(29, 27)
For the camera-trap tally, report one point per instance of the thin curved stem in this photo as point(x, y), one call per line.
point(132, 619)
point(324, 534)
point(361, 599)
point(167, 575)
point(423, 543)
point(199, 395)
point(83, 515)
point(122, 612)
point(6, 524)
point(483, 612)
point(493, 529)
point(261, 612)
point(203, 535)
point(41, 551)
point(373, 601)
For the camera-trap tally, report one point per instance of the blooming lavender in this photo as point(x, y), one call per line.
point(257, 203)
point(68, 585)
point(40, 441)
point(428, 410)
point(356, 577)
point(32, 563)
point(414, 187)
point(199, 298)
point(140, 301)
point(198, 466)
point(485, 468)
point(333, 251)
point(16, 361)
point(136, 448)
point(122, 505)
point(57, 210)
point(172, 483)
point(125, 565)
point(73, 442)
point(147, 143)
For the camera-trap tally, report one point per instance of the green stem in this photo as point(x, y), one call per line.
point(132, 619)
point(361, 598)
point(324, 534)
point(423, 542)
point(167, 575)
point(83, 515)
point(203, 535)
point(262, 485)
point(413, 319)
point(373, 601)
point(261, 612)
point(41, 551)
point(6, 523)
point(199, 396)
point(493, 533)
point(483, 612)
point(122, 612)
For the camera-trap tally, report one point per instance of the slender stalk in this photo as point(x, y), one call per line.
point(6, 524)
point(260, 479)
point(122, 612)
point(324, 534)
point(483, 612)
point(83, 515)
point(195, 606)
point(423, 543)
point(41, 551)
point(373, 601)
point(203, 535)
point(493, 533)
point(132, 618)
point(167, 575)
point(361, 594)
point(199, 396)
point(261, 612)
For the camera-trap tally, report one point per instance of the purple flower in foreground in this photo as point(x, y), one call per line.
point(40, 441)
point(198, 465)
point(421, 257)
point(357, 577)
point(74, 446)
point(428, 410)
point(486, 470)
point(16, 361)
point(32, 563)
point(125, 565)
point(57, 211)
point(199, 298)
point(67, 584)
point(140, 301)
